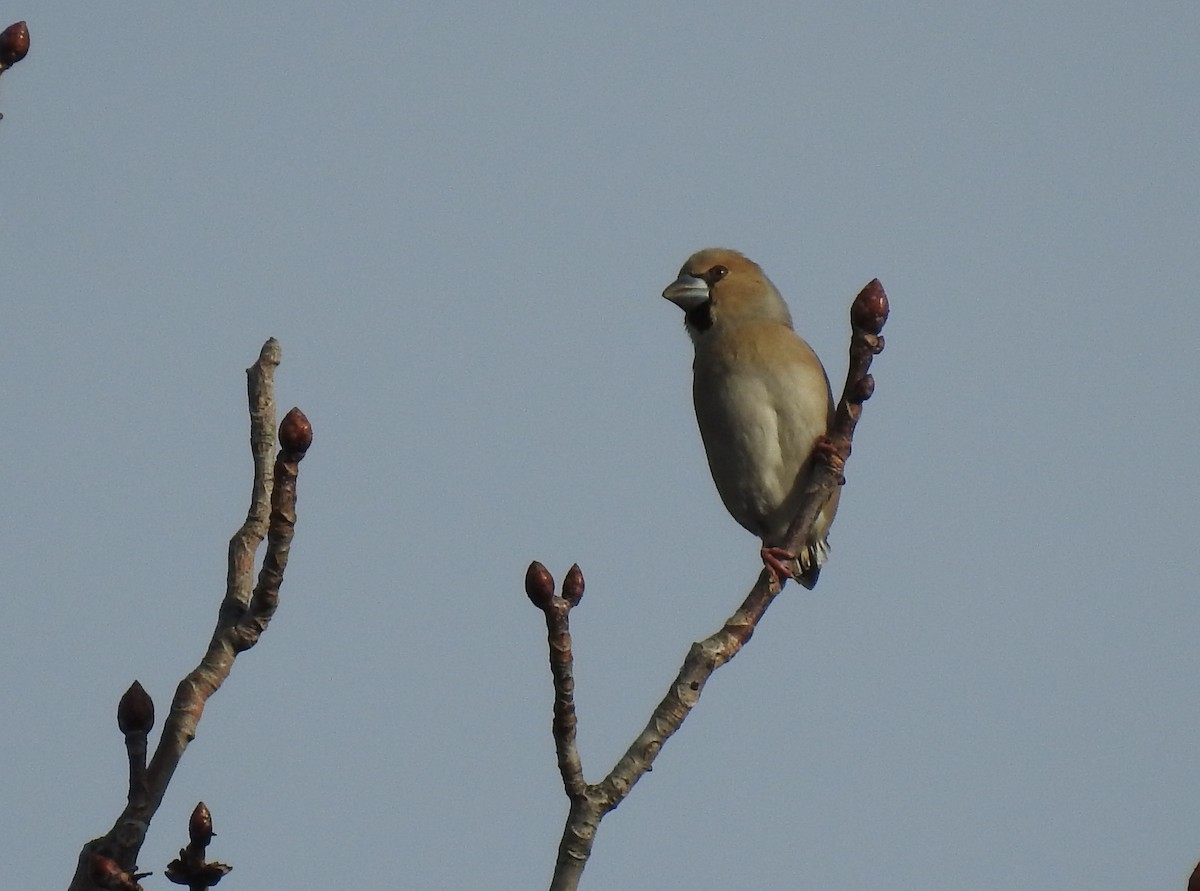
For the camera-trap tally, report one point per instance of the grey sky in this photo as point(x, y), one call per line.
point(457, 221)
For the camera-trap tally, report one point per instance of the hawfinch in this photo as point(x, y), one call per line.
point(762, 400)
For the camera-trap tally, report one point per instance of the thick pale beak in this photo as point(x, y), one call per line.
point(687, 292)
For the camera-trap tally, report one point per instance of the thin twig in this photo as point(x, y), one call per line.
point(190, 868)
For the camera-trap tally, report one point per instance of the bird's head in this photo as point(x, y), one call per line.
point(721, 286)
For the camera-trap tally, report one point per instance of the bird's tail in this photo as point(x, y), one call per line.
point(806, 568)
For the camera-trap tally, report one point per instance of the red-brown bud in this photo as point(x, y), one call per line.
point(572, 590)
point(539, 585)
point(14, 44)
point(870, 308)
point(295, 432)
point(135, 711)
point(200, 829)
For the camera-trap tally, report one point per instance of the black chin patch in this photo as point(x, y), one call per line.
point(700, 318)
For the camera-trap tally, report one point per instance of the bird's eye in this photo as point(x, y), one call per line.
point(715, 274)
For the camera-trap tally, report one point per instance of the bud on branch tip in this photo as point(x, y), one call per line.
point(200, 829)
point(870, 308)
point(295, 432)
point(539, 585)
point(573, 585)
point(135, 711)
point(14, 44)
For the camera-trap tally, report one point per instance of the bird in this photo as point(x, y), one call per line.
point(762, 403)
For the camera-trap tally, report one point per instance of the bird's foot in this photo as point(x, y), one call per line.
point(779, 563)
point(825, 449)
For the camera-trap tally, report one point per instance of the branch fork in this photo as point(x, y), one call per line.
point(246, 610)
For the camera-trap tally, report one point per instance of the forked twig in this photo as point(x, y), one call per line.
point(247, 608)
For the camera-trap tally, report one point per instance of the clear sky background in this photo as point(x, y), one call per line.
point(458, 221)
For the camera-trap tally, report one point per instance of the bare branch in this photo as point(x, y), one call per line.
point(135, 717)
point(243, 616)
point(260, 392)
point(539, 585)
point(590, 802)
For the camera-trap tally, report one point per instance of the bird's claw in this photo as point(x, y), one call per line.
point(779, 563)
point(828, 451)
